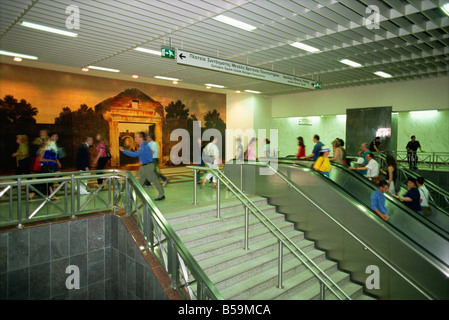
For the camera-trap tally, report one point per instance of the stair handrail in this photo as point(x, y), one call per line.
point(169, 233)
point(367, 247)
point(285, 240)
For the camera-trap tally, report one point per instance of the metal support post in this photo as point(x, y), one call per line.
point(195, 182)
point(246, 227)
point(218, 198)
point(280, 264)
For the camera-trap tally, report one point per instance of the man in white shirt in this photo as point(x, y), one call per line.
point(372, 168)
point(424, 197)
point(212, 151)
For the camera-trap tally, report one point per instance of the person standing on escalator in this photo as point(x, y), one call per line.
point(412, 198)
point(378, 200)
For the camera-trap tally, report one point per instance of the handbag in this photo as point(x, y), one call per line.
point(208, 159)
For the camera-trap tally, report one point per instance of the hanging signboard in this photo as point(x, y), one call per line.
point(216, 64)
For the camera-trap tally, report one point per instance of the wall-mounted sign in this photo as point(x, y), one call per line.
point(216, 64)
point(304, 122)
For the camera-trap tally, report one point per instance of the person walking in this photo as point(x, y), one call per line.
point(146, 171)
point(22, 155)
point(102, 154)
point(212, 159)
point(83, 160)
point(239, 153)
point(155, 150)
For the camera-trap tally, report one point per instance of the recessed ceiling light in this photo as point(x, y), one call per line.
point(238, 91)
point(214, 85)
point(135, 76)
point(13, 54)
point(103, 69)
point(48, 29)
point(383, 74)
point(17, 59)
point(84, 69)
point(235, 23)
point(166, 78)
point(175, 81)
point(305, 47)
point(252, 91)
point(351, 63)
point(155, 52)
point(445, 8)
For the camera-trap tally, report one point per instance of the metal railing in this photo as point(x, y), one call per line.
point(421, 160)
point(283, 241)
point(123, 193)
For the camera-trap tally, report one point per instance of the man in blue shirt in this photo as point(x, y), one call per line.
point(146, 171)
point(316, 149)
point(378, 200)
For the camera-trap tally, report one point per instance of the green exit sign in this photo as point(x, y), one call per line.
point(167, 52)
point(318, 85)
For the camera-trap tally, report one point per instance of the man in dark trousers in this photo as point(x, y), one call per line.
point(412, 147)
point(147, 170)
point(83, 160)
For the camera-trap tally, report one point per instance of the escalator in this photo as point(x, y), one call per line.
point(361, 188)
point(411, 253)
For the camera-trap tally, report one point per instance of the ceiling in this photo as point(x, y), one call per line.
point(409, 41)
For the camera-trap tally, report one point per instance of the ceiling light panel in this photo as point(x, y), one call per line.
point(235, 22)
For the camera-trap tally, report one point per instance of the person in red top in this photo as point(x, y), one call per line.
point(301, 148)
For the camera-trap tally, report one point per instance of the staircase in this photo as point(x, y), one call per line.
point(217, 245)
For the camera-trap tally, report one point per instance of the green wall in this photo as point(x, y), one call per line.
point(431, 129)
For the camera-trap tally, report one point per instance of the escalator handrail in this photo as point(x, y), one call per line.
point(396, 202)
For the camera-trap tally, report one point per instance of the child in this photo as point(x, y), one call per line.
point(322, 164)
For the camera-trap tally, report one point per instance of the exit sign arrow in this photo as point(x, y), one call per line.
point(182, 56)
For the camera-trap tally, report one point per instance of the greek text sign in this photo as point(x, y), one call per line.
point(206, 62)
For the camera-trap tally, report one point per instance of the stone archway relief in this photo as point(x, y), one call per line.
point(127, 115)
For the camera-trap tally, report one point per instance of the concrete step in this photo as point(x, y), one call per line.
point(218, 246)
